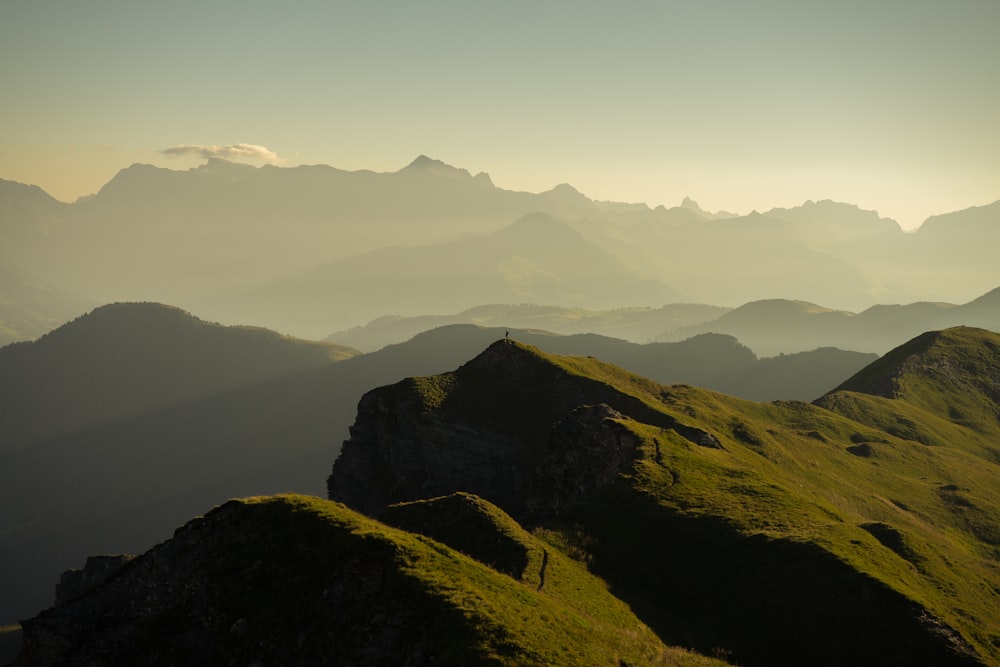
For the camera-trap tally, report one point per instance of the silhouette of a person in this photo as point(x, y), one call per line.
point(506, 335)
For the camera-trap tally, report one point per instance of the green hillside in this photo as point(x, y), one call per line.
point(941, 388)
point(298, 580)
point(773, 532)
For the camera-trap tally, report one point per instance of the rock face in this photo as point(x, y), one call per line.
point(587, 450)
point(693, 505)
point(503, 427)
point(98, 569)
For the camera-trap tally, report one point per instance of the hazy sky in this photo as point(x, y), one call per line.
point(740, 104)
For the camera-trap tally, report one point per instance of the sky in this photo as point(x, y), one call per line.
point(742, 105)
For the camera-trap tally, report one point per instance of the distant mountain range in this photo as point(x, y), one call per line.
point(311, 250)
point(860, 529)
point(533, 260)
point(775, 326)
point(127, 421)
point(770, 327)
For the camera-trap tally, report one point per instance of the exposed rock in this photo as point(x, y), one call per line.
point(426, 437)
point(587, 450)
point(97, 570)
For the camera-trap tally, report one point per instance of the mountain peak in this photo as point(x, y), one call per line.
point(951, 373)
point(427, 165)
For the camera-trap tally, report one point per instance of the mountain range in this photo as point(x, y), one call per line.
point(775, 326)
point(212, 238)
point(861, 529)
point(769, 326)
point(145, 402)
point(475, 507)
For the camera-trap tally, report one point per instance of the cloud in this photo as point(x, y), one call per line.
point(231, 152)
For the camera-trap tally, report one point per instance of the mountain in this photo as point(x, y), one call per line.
point(774, 326)
point(179, 235)
point(146, 403)
point(203, 238)
point(536, 259)
point(30, 308)
point(782, 533)
point(735, 260)
point(829, 225)
point(128, 359)
point(948, 379)
point(639, 325)
point(947, 259)
point(298, 580)
point(28, 218)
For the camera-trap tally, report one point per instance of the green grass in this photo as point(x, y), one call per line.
point(571, 620)
point(850, 522)
point(310, 579)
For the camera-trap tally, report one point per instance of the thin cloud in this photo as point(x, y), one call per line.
point(231, 152)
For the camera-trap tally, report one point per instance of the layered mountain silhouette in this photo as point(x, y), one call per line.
point(196, 238)
point(639, 325)
point(30, 308)
point(774, 326)
point(147, 403)
point(534, 260)
point(770, 326)
point(130, 359)
point(860, 529)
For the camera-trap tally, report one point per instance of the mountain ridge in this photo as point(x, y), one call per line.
point(193, 237)
point(774, 529)
point(365, 593)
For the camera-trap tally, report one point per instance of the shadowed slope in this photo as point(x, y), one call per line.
point(779, 532)
point(126, 359)
point(298, 580)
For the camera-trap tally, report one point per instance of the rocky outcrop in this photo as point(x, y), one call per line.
point(587, 450)
point(501, 427)
point(97, 570)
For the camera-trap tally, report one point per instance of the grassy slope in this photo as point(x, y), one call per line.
point(795, 488)
point(350, 586)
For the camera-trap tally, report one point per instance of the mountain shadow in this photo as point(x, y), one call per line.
point(123, 360)
point(182, 415)
point(725, 524)
point(298, 580)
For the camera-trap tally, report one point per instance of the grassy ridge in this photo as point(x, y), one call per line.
point(255, 574)
point(861, 526)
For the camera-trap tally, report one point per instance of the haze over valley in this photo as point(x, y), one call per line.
point(304, 250)
point(527, 334)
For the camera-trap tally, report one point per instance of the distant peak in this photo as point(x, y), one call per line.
point(691, 205)
point(424, 164)
point(565, 188)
